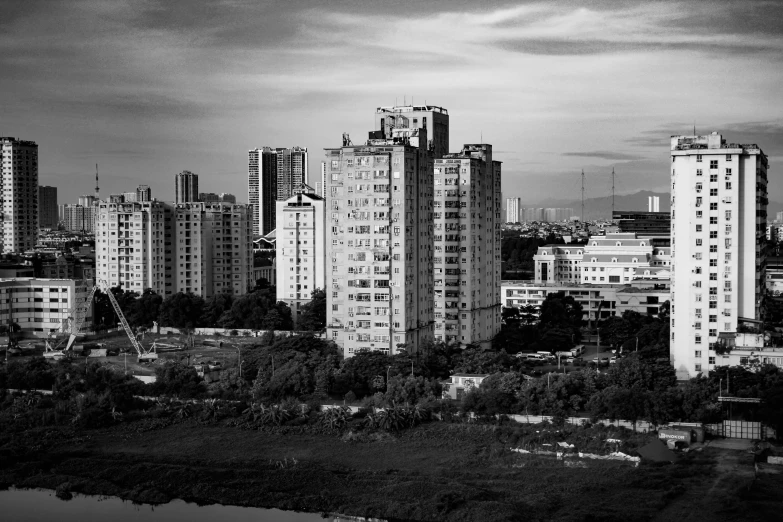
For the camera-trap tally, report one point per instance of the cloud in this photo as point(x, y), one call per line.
point(604, 154)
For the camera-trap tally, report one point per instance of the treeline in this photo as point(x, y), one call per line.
point(517, 252)
point(258, 310)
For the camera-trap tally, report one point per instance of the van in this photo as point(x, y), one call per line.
point(535, 357)
point(578, 350)
point(546, 355)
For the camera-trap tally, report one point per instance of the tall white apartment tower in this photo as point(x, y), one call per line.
point(719, 207)
point(512, 210)
point(379, 246)
point(19, 195)
point(300, 249)
point(467, 218)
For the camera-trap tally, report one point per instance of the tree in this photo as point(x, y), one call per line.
point(215, 307)
point(313, 316)
point(177, 379)
point(559, 310)
point(181, 310)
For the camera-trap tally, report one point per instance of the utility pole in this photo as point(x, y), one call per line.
point(583, 196)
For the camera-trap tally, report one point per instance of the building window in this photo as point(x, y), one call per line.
point(713, 164)
point(712, 360)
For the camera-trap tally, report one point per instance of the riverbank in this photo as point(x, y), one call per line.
point(437, 471)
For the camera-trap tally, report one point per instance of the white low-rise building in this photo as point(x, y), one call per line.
point(39, 306)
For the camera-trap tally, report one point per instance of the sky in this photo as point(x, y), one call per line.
point(147, 89)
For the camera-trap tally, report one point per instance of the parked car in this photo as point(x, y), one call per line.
point(535, 357)
point(570, 360)
point(613, 359)
point(546, 355)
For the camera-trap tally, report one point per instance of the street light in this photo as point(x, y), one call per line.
point(387, 378)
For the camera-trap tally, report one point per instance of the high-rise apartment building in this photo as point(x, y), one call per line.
point(187, 247)
point(512, 210)
point(719, 206)
point(130, 196)
point(225, 197)
point(273, 175)
point(466, 261)
point(185, 187)
point(47, 207)
point(143, 193)
point(301, 249)
point(78, 218)
point(19, 195)
point(379, 246)
point(430, 117)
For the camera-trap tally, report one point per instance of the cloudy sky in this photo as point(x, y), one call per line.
point(149, 88)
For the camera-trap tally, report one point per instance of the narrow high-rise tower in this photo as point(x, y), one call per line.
point(273, 175)
point(718, 216)
point(19, 195)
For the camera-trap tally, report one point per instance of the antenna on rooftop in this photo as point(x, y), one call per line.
point(613, 192)
point(97, 190)
point(583, 195)
point(694, 126)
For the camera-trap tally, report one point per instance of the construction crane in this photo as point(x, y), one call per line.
point(72, 325)
point(77, 315)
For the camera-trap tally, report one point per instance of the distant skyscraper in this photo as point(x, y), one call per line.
point(186, 187)
point(225, 197)
point(143, 193)
point(430, 117)
point(273, 175)
point(718, 216)
point(779, 217)
point(129, 197)
point(19, 195)
point(512, 210)
point(47, 207)
point(291, 171)
point(208, 197)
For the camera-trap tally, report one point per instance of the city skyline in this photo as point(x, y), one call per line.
point(604, 86)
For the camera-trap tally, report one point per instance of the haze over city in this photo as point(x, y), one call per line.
point(147, 89)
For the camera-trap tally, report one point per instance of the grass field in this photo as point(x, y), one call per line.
point(438, 471)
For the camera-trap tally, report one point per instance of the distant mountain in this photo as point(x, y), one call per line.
point(601, 208)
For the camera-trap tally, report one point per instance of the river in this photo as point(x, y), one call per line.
point(34, 505)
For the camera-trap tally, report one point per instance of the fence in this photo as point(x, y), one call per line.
point(228, 332)
point(737, 429)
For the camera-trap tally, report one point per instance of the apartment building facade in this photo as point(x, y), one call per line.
point(19, 194)
point(719, 205)
point(186, 247)
point(300, 249)
point(466, 260)
point(379, 246)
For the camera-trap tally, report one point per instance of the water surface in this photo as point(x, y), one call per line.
point(33, 505)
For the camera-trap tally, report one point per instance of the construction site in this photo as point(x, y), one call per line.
point(135, 352)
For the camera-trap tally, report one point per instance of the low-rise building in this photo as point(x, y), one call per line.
point(39, 306)
point(461, 383)
point(598, 301)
